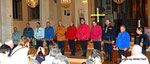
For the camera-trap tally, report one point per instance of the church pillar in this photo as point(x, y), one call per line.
point(25, 12)
point(124, 13)
point(44, 12)
point(148, 12)
point(81, 10)
point(6, 20)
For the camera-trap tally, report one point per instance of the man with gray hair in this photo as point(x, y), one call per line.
point(136, 57)
point(55, 56)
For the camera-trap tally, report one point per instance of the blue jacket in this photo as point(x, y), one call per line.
point(49, 33)
point(28, 32)
point(123, 40)
point(108, 33)
point(39, 33)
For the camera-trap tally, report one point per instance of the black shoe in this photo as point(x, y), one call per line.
point(72, 55)
point(106, 59)
point(110, 60)
point(83, 56)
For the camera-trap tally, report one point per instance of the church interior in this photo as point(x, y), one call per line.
point(131, 13)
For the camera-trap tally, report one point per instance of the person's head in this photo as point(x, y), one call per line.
point(9, 43)
point(32, 52)
point(38, 24)
point(107, 22)
point(71, 23)
point(24, 42)
point(5, 49)
point(55, 52)
point(82, 21)
point(61, 60)
point(122, 28)
point(137, 49)
point(48, 24)
point(139, 30)
point(94, 23)
point(15, 29)
point(28, 25)
point(59, 23)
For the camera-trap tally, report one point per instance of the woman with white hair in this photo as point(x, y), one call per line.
point(19, 54)
point(136, 56)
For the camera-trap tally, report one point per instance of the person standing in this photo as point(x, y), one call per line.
point(96, 34)
point(71, 37)
point(16, 36)
point(108, 39)
point(123, 41)
point(49, 34)
point(28, 31)
point(39, 35)
point(140, 39)
point(83, 34)
point(60, 33)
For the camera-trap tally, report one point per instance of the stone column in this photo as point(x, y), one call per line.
point(6, 20)
point(44, 12)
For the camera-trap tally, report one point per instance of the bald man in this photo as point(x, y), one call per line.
point(136, 56)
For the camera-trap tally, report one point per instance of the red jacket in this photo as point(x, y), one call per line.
point(71, 32)
point(96, 32)
point(83, 32)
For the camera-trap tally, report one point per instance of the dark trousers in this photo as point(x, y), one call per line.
point(84, 46)
point(72, 46)
point(39, 43)
point(122, 52)
point(108, 50)
point(61, 46)
point(49, 42)
point(97, 45)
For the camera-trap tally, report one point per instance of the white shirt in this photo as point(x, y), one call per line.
point(20, 56)
point(136, 59)
point(4, 59)
point(48, 60)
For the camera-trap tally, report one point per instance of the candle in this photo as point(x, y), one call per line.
point(139, 23)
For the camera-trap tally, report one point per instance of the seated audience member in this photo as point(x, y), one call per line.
point(41, 54)
point(60, 59)
point(32, 53)
point(55, 56)
point(136, 57)
point(20, 52)
point(10, 44)
point(95, 58)
point(4, 51)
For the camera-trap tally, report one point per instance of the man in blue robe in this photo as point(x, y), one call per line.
point(123, 41)
point(49, 34)
point(28, 31)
